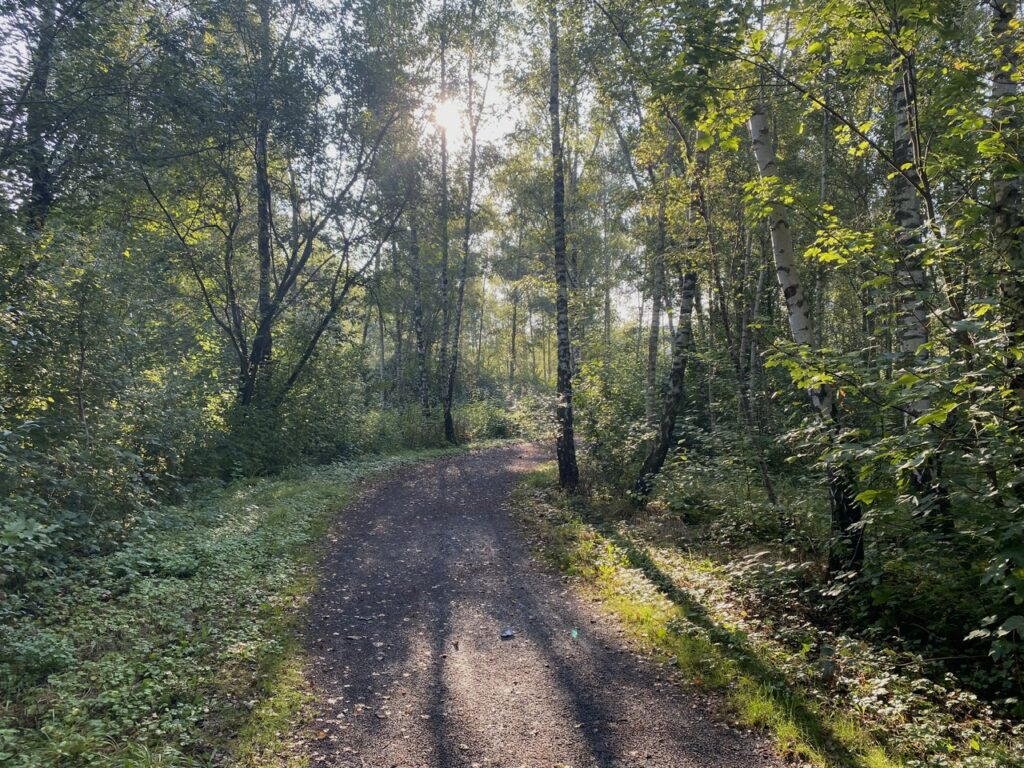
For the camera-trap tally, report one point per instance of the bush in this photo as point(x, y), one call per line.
point(29, 654)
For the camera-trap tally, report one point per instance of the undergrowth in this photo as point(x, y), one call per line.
point(826, 699)
point(178, 648)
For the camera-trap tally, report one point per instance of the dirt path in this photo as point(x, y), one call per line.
point(410, 668)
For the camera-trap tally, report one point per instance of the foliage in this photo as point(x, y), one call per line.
point(729, 620)
point(156, 652)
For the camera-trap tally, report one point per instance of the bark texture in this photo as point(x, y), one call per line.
point(847, 550)
point(912, 284)
point(443, 214)
point(262, 343)
point(1007, 221)
point(568, 473)
point(657, 295)
point(681, 341)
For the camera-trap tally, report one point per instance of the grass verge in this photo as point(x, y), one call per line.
point(821, 699)
point(177, 649)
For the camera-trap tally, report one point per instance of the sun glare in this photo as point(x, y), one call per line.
point(448, 116)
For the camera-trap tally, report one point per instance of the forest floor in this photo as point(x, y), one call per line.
point(408, 665)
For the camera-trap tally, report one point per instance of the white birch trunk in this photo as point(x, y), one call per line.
point(908, 216)
point(847, 551)
point(800, 326)
point(1006, 185)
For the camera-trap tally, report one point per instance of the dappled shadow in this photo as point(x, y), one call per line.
point(410, 669)
point(734, 646)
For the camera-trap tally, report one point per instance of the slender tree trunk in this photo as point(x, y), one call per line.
point(443, 214)
point(513, 352)
point(417, 322)
point(657, 293)
point(467, 235)
point(641, 307)
point(545, 349)
point(397, 388)
point(568, 473)
point(847, 550)
point(912, 285)
point(480, 319)
point(606, 255)
point(381, 329)
point(533, 339)
point(512, 343)
point(40, 199)
point(1007, 219)
point(262, 344)
point(681, 342)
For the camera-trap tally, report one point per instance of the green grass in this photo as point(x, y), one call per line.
point(178, 648)
point(667, 575)
point(709, 652)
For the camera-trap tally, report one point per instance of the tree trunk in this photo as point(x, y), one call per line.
point(681, 342)
point(40, 198)
point(607, 276)
point(1007, 221)
point(512, 344)
point(417, 322)
point(442, 358)
point(912, 285)
point(847, 549)
point(397, 388)
point(262, 343)
point(467, 233)
point(911, 281)
point(568, 473)
point(653, 335)
point(480, 319)
point(512, 353)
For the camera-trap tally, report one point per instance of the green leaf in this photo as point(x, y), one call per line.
point(1012, 624)
point(867, 497)
point(936, 415)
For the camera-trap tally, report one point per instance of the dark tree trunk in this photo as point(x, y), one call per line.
point(467, 235)
point(40, 200)
point(417, 322)
point(262, 343)
point(676, 385)
point(568, 472)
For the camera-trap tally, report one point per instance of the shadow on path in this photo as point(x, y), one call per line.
point(410, 669)
point(734, 646)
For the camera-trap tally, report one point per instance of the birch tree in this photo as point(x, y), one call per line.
point(847, 551)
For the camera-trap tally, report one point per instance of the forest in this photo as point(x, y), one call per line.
point(704, 316)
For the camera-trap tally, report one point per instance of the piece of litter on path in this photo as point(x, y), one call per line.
point(575, 633)
point(508, 633)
